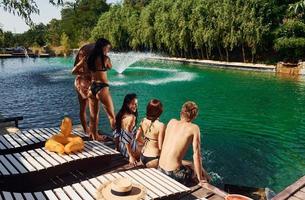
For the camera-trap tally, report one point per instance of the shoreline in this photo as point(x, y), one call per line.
point(222, 64)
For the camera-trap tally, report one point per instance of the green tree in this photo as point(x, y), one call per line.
point(64, 42)
point(79, 18)
point(54, 32)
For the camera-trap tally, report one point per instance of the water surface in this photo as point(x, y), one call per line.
point(252, 123)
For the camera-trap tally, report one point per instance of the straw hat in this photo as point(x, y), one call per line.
point(121, 189)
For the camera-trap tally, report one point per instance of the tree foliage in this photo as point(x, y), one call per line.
point(24, 8)
point(211, 29)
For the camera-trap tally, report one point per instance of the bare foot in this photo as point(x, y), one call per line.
point(101, 138)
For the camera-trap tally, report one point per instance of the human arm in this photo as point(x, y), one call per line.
point(139, 135)
point(77, 68)
point(197, 153)
point(132, 159)
point(129, 123)
point(108, 63)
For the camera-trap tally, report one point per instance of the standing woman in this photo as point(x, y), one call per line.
point(82, 82)
point(98, 63)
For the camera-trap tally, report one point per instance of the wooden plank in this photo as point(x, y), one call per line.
point(94, 149)
point(59, 158)
point(18, 196)
point(18, 139)
point(71, 193)
point(24, 161)
point(51, 195)
point(146, 184)
point(39, 195)
point(92, 153)
point(160, 179)
point(73, 156)
point(89, 187)
point(47, 133)
point(32, 160)
point(28, 196)
point(179, 185)
point(16, 163)
point(303, 189)
point(9, 138)
point(171, 182)
point(61, 194)
point(216, 197)
point(82, 192)
point(79, 133)
point(24, 138)
point(294, 198)
point(153, 181)
point(5, 142)
point(47, 157)
point(107, 149)
point(42, 134)
point(36, 135)
point(7, 196)
point(94, 182)
point(3, 170)
point(30, 136)
point(300, 194)
point(150, 193)
point(8, 165)
point(2, 146)
point(287, 192)
point(40, 159)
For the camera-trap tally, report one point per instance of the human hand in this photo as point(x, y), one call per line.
point(132, 161)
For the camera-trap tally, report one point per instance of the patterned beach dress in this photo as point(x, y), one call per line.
point(126, 138)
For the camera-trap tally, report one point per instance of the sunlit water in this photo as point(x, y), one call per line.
point(252, 123)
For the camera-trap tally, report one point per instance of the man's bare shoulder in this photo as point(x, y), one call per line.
point(171, 122)
point(195, 128)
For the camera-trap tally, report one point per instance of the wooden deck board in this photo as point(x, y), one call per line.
point(293, 192)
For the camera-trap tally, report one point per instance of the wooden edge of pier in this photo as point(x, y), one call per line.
point(296, 191)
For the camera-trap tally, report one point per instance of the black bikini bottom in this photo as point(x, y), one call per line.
point(96, 87)
point(145, 159)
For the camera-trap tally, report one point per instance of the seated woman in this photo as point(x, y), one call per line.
point(151, 130)
point(125, 128)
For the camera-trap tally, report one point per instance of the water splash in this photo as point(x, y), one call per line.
point(26, 53)
point(121, 61)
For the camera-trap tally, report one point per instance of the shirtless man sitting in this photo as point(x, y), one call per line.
point(179, 135)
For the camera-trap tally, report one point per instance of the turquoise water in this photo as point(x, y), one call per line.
point(252, 123)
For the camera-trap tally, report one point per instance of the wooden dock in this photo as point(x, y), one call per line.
point(74, 175)
point(296, 191)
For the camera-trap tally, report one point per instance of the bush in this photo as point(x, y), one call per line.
point(291, 28)
point(291, 49)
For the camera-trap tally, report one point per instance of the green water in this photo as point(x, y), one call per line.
point(252, 123)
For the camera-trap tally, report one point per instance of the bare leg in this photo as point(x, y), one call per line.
point(82, 112)
point(94, 112)
point(104, 96)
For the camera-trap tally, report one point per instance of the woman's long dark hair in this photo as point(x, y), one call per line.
point(125, 110)
point(97, 52)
